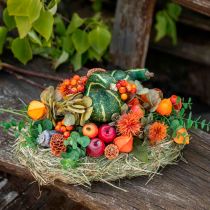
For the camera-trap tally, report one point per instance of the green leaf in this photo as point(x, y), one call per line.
point(47, 124)
point(23, 25)
point(18, 7)
point(80, 41)
point(34, 38)
point(74, 144)
point(140, 150)
point(21, 50)
point(76, 61)
point(75, 135)
point(74, 155)
point(62, 59)
point(99, 39)
point(44, 24)
point(34, 9)
point(92, 54)
point(161, 25)
point(84, 141)
point(21, 125)
point(3, 34)
point(75, 23)
point(174, 124)
point(97, 5)
point(67, 44)
point(171, 30)
point(59, 26)
point(9, 21)
point(52, 6)
point(174, 10)
point(25, 8)
point(203, 123)
point(40, 129)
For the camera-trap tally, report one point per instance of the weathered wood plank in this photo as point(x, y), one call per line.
point(182, 186)
point(132, 24)
point(201, 6)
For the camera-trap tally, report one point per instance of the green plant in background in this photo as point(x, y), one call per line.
point(97, 5)
point(166, 22)
point(41, 31)
point(81, 40)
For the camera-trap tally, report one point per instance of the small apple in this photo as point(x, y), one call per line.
point(107, 133)
point(90, 130)
point(95, 148)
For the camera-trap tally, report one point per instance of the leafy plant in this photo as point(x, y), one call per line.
point(34, 128)
point(166, 22)
point(76, 148)
point(183, 118)
point(43, 32)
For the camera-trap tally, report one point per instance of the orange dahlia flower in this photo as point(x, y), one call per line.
point(157, 132)
point(129, 124)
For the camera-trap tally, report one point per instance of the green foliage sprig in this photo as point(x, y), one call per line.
point(41, 31)
point(183, 118)
point(76, 148)
point(19, 127)
point(166, 22)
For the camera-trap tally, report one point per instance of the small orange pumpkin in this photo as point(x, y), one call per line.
point(124, 143)
point(164, 107)
point(36, 110)
point(182, 136)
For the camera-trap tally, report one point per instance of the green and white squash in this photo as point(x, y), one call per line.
point(107, 102)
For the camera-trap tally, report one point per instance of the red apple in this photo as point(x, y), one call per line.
point(95, 148)
point(107, 133)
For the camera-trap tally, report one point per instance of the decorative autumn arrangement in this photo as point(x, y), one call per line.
point(101, 127)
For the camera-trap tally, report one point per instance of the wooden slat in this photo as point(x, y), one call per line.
point(131, 32)
point(182, 186)
point(201, 6)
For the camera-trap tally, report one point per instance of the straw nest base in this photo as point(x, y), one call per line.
point(47, 168)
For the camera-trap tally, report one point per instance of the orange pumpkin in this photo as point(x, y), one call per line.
point(36, 110)
point(182, 136)
point(124, 143)
point(164, 107)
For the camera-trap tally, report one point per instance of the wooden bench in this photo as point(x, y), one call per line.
point(182, 186)
point(132, 26)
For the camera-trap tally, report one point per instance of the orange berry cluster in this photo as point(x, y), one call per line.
point(73, 85)
point(125, 88)
point(60, 127)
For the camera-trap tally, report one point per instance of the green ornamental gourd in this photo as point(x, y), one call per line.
point(107, 102)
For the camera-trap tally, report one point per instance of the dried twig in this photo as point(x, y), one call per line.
point(31, 82)
point(28, 72)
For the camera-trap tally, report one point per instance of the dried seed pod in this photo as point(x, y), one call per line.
point(57, 145)
point(111, 151)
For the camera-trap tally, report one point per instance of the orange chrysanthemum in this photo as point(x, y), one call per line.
point(129, 124)
point(157, 132)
